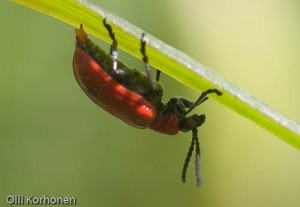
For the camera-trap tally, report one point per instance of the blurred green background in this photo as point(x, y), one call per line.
point(54, 141)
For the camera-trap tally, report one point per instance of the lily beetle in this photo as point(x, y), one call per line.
point(133, 97)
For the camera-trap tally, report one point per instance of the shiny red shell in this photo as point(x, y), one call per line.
point(167, 124)
point(111, 96)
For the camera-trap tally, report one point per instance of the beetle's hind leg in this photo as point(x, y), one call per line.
point(114, 45)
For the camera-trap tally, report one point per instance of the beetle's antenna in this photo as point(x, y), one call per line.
point(114, 44)
point(197, 158)
point(195, 142)
point(145, 59)
point(203, 97)
point(187, 160)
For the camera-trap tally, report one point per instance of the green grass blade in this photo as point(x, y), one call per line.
point(172, 62)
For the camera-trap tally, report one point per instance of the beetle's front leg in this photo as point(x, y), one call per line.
point(203, 97)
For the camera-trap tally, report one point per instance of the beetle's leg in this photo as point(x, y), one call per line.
point(114, 45)
point(187, 103)
point(203, 97)
point(145, 60)
point(158, 72)
point(192, 123)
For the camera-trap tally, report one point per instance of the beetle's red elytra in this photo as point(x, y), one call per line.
point(107, 93)
point(133, 97)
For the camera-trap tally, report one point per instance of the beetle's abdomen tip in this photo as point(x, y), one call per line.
point(81, 35)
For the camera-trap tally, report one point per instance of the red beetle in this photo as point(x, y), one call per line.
point(132, 96)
